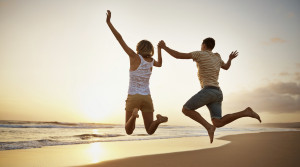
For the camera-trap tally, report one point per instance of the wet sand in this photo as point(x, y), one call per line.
point(267, 149)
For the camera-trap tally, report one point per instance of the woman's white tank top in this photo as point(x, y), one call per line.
point(139, 79)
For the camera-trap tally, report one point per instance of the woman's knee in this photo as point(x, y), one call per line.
point(149, 132)
point(129, 131)
point(148, 128)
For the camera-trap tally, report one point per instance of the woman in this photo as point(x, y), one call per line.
point(139, 97)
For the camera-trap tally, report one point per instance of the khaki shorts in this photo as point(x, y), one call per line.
point(142, 102)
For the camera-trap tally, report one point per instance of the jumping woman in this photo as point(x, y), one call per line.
point(139, 97)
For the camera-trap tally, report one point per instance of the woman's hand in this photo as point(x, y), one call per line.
point(108, 14)
point(162, 44)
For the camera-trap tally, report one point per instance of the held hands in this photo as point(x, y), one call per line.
point(108, 14)
point(158, 47)
point(162, 44)
point(233, 55)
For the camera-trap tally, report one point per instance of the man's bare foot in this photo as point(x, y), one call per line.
point(161, 119)
point(253, 114)
point(135, 112)
point(211, 133)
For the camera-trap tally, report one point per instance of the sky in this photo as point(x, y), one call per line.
point(59, 60)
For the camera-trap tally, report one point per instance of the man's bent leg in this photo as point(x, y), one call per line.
point(248, 112)
point(203, 97)
point(198, 118)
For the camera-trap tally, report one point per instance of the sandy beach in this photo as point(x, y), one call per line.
point(82, 154)
point(274, 149)
point(277, 147)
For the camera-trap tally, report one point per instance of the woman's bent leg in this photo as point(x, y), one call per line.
point(151, 125)
point(130, 120)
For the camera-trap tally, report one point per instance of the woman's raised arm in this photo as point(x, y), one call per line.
point(118, 36)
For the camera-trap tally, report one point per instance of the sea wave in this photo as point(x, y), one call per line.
point(55, 124)
point(30, 134)
point(85, 139)
point(32, 144)
point(89, 136)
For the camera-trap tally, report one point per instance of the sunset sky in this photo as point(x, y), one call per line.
point(59, 60)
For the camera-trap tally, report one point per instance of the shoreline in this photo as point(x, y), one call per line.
point(276, 149)
point(82, 154)
point(101, 153)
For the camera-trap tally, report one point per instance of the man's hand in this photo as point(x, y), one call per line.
point(162, 44)
point(233, 55)
point(108, 14)
point(174, 53)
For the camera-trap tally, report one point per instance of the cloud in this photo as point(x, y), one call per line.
point(284, 74)
point(274, 40)
point(274, 98)
point(277, 40)
point(294, 76)
point(290, 88)
point(297, 76)
point(291, 15)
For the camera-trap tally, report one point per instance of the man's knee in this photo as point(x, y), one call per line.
point(217, 122)
point(185, 111)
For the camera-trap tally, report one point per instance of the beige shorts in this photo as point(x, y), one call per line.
point(142, 102)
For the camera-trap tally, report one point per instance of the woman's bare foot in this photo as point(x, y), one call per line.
point(161, 119)
point(252, 114)
point(211, 133)
point(135, 112)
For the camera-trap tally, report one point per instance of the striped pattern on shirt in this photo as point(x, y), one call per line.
point(208, 64)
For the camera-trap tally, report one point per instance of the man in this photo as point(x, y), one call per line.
point(209, 65)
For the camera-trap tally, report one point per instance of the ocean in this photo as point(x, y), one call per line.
point(28, 134)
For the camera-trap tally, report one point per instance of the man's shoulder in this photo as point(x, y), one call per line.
point(217, 54)
point(199, 53)
point(196, 55)
point(196, 52)
point(202, 55)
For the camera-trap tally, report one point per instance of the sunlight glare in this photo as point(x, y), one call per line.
point(96, 131)
point(96, 152)
point(93, 107)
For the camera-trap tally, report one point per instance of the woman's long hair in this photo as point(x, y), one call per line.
point(145, 49)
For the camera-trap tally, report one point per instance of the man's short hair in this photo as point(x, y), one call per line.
point(209, 43)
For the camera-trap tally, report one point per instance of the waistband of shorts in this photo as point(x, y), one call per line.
point(138, 95)
point(212, 87)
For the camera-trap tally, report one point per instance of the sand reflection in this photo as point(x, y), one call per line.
point(96, 152)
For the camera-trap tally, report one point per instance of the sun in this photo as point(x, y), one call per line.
point(96, 115)
point(95, 108)
point(95, 111)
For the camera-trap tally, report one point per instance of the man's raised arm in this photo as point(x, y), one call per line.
point(231, 56)
point(174, 53)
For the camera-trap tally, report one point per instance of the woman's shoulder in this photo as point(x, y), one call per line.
point(148, 59)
